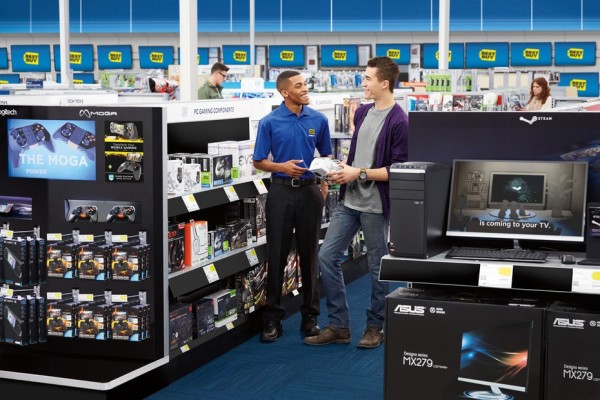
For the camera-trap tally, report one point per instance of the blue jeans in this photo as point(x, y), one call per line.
point(344, 224)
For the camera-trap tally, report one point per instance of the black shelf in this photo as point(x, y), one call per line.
point(213, 197)
point(188, 280)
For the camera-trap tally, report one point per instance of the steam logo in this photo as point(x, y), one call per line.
point(487, 55)
point(531, 121)
point(339, 55)
point(580, 84)
point(31, 58)
point(394, 54)
point(437, 55)
point(286, 55)
point(89, 114)
point(531, 54)
point(75, 57)
point(575, 54)
point(115, 56)
point(156, 57)
point(240, 56)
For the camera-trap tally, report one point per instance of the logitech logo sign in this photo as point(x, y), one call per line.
point(6, 112)
point(535, 118)
point(404, 309)
point(89, 114)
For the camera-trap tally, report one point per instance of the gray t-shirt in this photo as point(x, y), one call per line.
point(359, 196)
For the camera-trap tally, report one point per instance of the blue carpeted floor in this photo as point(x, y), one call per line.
point(289, 369)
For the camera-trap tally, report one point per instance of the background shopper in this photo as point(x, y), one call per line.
point(212, 88)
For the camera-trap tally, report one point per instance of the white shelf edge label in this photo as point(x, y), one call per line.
point(119, 238)
point(54, 296)
point(7, 233)
point(496, 275)
point(119, 298)
point(54, 237)
point(4, 291)
point(211, 273)
point(190, 202)
point(586, 280)
point(230, 326)
point(86, 297)
point(185, 348)
point(252, 257)
point(295, 292)
point(231, 193)
point(260, 186)
point(86, 238)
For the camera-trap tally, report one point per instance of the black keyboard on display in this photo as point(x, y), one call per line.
point(484, 254)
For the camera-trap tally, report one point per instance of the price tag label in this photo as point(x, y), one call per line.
point(586, 280)
point(54, 296)
point(231, 193)
point(119, 298)
point(185, 348)
point(252, 257)
point(86, 238)
point(120, 238)
point(230, 326)
point(295, 292)
point(5, 291)
point(86, 297)
point(496, 275)
point(54, 237)
point(251, 310)
point(190, 202)
point(260, 186)
point(211, 273)
point(7, 233)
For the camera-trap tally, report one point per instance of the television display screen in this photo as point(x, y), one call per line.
point(115, 57)
point(537, 200)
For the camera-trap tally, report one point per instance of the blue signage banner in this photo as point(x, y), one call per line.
point(201, 58)
point(339, 55)
point(287, 56)
point(574, 53)
point(456, 56)
point(3, 58)
point(399, 52)
point(86, 77)
point(114, 57)
point(531, 54)
point(236, 54)
point(586, 82)
point(9, 78)
point(156, 57)
point(30, 57)
point(487, 55)
point(81, 57)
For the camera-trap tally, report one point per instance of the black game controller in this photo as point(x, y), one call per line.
point(79, 138)
point(25, 138)
point(56, 265)
point(87, 326)
point(88, 267)
point(127, 130)
point(56, 324)
point(133, 164)
point(121, 328)
point(121, 267)
point(121, 213)
point(83, 213)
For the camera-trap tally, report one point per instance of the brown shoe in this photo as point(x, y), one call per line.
point(329, 335)
point(372, 338)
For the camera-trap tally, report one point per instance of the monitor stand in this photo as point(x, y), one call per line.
point(493, 394)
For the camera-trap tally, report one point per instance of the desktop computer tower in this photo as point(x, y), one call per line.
point(418, 207)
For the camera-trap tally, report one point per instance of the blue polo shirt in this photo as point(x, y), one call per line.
point(288, 136)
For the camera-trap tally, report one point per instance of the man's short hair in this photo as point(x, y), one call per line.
point(218, 67)
point(387, 70)
point(284, 76)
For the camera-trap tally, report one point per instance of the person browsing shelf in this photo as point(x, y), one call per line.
point(539, 96)
point(291, 133)
point(212, 88)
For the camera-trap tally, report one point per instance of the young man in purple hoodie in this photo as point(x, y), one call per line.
point(380, 139)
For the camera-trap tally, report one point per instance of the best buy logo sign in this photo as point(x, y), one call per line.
point(531, 54)
point(575, 54)
point(115, 56)
point(580, 84)
point(286, 55)
point(339, 55)
point(31, 58)
point(240, 56)
point(487, 55)
point(156, 57)
point(394, 54)
point(437, 55)
point(78, 81)
point(2, 82)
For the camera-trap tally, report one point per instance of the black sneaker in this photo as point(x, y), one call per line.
point(309, 326)
point(271, 331)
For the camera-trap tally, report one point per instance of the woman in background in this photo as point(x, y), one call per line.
point(539, 96)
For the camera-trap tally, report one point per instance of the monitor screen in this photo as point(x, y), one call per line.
point(497, 356)
point(502, 199)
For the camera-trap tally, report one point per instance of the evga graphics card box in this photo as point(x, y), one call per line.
point(204, 317)
point(180, 325)
point(241, 153)
point(16, 261)
point(445, 346)
point(572, 348)
point(61, 318)
point(16, 320)
point(95, 261)
point(224, 306)
point(176, 246)
point(94, 321)
point(62, 260)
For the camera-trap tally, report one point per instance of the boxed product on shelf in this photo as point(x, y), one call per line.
point(204, 317)
point(290, 273)
point(176, 246)
point(218, 172)
point(214, 148)
point(175, 177)
point(94, 321)
point(258, 284)
point(239, 233)
point(218, 242)
point(32, 319)
point(196, 242)
point(95, 261)
point(243, 289)
point(16, 261)
point(128, 322)
point(61, 318)
point(41, 259)
point(241, 153)
point(462, 344)
point(254, 210)
point(180, 325)
point(16, 320)
point(191, 171)
point(62, 260)
point(572, 366)
point(224, 306)
point(41, 314)
point(129, 262)
point(350, 106)
point(32, 259)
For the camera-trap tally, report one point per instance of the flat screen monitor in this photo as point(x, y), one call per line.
point(508, 199)
point(497, 357)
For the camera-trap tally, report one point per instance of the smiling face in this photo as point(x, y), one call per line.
point(296, 91)
point(372, 86)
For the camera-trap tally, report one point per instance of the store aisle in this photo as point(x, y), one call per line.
point(289, 369)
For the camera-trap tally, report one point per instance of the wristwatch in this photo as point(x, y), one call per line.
point(362, 175)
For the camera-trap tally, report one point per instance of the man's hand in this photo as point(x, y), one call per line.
point(291, 168)
point(344, 175)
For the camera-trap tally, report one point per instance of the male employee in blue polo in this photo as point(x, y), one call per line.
point(291, 133)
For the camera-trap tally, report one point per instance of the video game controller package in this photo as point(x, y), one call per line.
point(16, 320)
point(95, 261)
point(126, 263)
point(62, 260)
point(16, 263)
point(61, 318)
point(126, 322)
point(204, 317)
point(94, 321)
point(175, 185)
point(180, 325)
